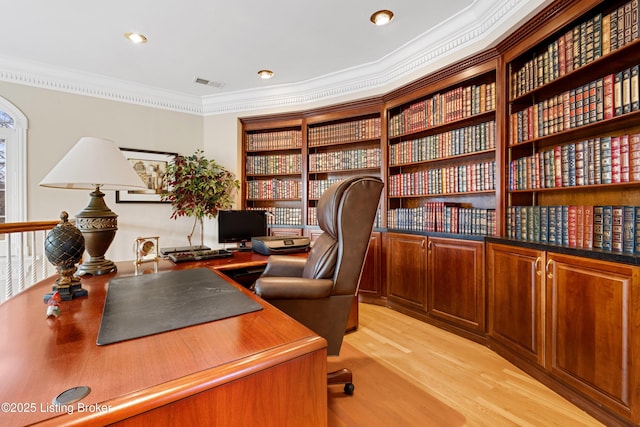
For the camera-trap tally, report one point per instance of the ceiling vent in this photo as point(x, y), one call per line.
point(206, 82)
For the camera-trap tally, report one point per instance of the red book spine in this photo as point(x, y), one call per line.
point(624, 158)
point(608, 97)
point(587, 241)
point(634, 157)
point(572, 224)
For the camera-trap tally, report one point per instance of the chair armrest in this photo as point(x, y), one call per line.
point(283, 265)
point(293, 288)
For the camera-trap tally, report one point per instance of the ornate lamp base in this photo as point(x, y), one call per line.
point(98, 225)
point(96, 266)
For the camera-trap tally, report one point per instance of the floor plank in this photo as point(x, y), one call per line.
point(410, 373)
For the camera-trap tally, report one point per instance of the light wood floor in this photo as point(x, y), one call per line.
point(409, 373)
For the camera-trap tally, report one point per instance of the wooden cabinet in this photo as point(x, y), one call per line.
point(370, 289)
point(516, 300)
point(406, 262)
point(572, 317)
point(456, 291)
point(593, 315)
point(439, 280)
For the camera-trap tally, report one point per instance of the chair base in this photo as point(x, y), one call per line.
point(342, 376)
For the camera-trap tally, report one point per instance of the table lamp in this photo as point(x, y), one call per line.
point(95, 164)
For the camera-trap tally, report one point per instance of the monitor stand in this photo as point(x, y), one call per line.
point(242, 247)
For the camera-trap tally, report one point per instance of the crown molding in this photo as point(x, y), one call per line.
point(469, 31)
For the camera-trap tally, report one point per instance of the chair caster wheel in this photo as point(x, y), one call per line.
point(348, 388)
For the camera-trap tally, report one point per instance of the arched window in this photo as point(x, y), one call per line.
point(13, 163)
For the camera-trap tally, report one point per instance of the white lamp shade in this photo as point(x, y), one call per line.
point(93, 162)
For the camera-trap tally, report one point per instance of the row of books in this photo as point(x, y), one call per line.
point(317, 187)
point(595, 161)
point(274, 164)
point(608, 228)
point(282, 215)
point(312, 217)
point(357, 130)
point(447, 218)
point(444, 108)
point(274, 189)
point(601, 99)
point(465, 140)
point(360, 158)
point(274, 140)
point(464, 178)
point(580, 45)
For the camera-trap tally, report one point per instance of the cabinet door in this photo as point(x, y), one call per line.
point(407, 270)
point(456, 282)
point(592, 319)
point(370, 283)
point(516, 300)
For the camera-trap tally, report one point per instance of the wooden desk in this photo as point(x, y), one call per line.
point(261, 368)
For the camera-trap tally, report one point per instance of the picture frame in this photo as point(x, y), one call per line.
point(150, 166)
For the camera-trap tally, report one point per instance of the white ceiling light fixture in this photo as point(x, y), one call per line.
point(136, 38)
point(265, 74)
point(382, 17)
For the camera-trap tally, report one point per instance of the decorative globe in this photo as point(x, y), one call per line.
point(64, 244)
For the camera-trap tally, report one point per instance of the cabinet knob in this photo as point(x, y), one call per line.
point(548, 270)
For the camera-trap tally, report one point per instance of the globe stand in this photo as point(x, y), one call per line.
point(64, 247)
point(67, 285)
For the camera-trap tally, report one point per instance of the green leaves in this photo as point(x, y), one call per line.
point(198, 187)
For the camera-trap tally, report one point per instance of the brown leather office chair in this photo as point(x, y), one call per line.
point(318, 291)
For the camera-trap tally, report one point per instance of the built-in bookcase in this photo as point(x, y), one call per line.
point(339, 149)
point(441, 147)
point(574, 134)
point(273, 170)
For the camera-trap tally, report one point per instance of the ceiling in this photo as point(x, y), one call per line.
point(318, 49)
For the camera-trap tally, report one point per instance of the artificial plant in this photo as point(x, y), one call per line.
point(198, 187)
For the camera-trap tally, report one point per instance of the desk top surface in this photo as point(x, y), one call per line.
point(39, 358)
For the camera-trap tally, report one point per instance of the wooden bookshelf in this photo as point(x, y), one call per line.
point(273, 170)
point(441, 146)
point(488, 165)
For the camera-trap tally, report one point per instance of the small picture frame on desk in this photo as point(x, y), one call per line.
point(146, 249)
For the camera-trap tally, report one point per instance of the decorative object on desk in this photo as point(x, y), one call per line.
point(95, 164)
point(146, 249)
point(151, 167)
point(64, 246)
point(199, 188)
point(53, 306)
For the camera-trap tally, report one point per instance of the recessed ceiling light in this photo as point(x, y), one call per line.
point(382, 17)
point(265, 74)
point(136, 37)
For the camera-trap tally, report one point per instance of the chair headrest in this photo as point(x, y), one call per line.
point(329, 204)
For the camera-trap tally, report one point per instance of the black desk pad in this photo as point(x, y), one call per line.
point(148, 304)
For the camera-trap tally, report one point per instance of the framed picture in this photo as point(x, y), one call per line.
point(151, 166)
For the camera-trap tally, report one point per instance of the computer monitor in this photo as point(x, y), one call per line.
point(239, 226)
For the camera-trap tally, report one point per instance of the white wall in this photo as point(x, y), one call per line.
point(57, 120)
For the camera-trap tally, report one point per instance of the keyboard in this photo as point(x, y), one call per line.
point(199, 255)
